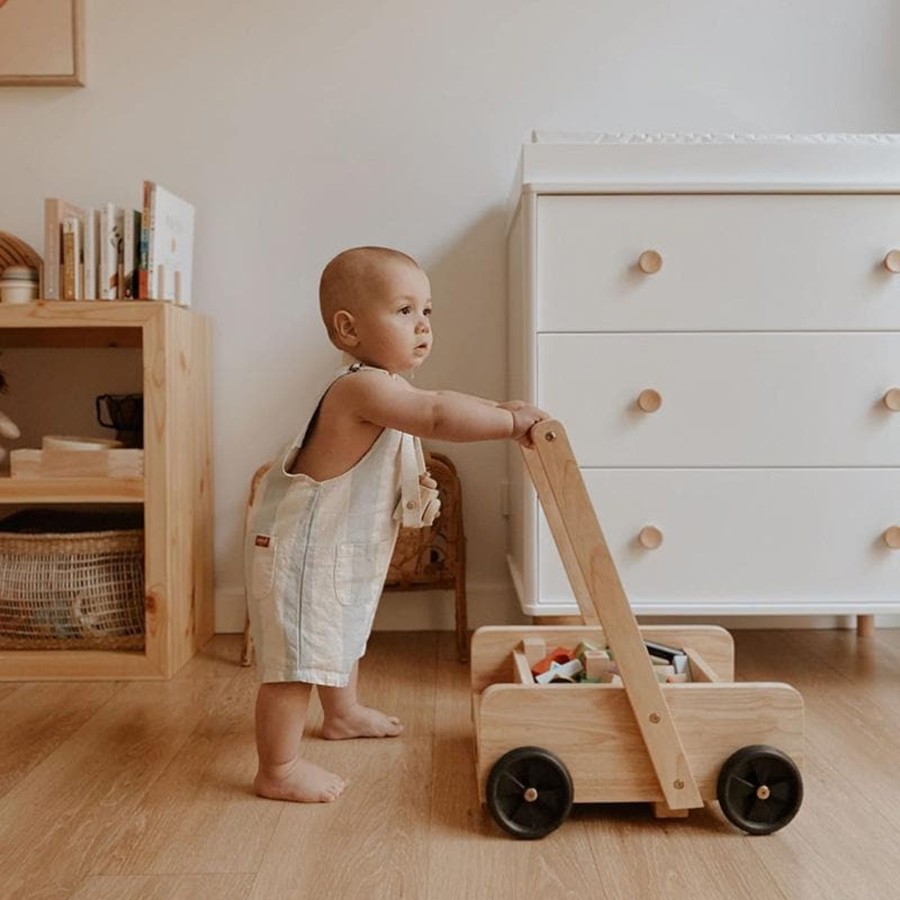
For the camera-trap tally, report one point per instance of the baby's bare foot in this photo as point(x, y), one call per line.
point(361, 721)
point(299, 781)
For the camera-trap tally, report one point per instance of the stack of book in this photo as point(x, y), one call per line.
point(110, 253)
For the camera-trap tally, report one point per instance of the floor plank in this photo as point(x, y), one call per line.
point(165, 887)
point(38, 718)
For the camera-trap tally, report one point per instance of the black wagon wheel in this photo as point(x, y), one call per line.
point(529, 792)
point(759, 789)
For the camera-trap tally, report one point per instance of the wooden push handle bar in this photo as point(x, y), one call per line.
point(589, 564)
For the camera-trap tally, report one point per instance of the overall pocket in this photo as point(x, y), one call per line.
point(359, 571)
point(262, 565)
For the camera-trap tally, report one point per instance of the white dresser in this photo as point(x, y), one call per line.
point(716, 322)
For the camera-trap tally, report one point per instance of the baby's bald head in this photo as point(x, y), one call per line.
point(353, 278)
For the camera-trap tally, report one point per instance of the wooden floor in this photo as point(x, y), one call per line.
point(140, 790)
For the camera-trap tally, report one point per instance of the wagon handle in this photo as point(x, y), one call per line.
point(535, 465)
point(598, 589)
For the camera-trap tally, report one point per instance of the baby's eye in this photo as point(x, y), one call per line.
point(405, 310)
point(427, 310)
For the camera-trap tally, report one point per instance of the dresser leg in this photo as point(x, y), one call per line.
point(865, 626)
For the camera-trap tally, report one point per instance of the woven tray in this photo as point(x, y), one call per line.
point(71, 588)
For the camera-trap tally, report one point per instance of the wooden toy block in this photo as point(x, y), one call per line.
point(597, 665)
point(585, 646)
point(566, 671)
point(558, 655)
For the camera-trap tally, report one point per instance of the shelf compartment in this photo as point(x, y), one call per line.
point(176, 490)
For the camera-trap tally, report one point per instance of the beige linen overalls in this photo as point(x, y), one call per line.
point(317, 554)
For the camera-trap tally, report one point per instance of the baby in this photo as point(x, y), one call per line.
point(324, 520)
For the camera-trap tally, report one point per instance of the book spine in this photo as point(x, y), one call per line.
point(52, 249)
point(153, 288)
point(78, 258)
point(110, 249)
point(144, 249)
point(90, 254)
point(69, 242)
point(119, 254)
point(130, 241)
point(103, 264)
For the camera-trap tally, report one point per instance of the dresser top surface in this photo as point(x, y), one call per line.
point(565, 162)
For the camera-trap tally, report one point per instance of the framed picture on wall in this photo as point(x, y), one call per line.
point(41, 42)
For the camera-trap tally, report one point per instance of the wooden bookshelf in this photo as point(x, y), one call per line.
point(176, 491)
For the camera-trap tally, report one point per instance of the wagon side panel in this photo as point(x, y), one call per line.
point(592, 729)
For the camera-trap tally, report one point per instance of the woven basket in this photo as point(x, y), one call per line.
point(72, 590)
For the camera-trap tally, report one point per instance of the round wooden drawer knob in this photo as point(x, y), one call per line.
point(891, 537)
point(649, 400)
point(892, 261)
point(650, 262)
point(892, 399)
point(651, 537)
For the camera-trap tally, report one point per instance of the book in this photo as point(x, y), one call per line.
point(144, 245)
point(170, 246)
point(72, 285)
point(131, 235)
point(110, 240)
point(55, 210)
point(91, 218)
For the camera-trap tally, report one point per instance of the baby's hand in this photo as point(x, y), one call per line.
point(525, 417)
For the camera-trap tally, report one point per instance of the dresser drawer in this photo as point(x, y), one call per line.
point(743, 541)
point(729, 262)
point(797, 399)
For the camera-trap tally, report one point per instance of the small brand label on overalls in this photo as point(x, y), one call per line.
point(263, 540)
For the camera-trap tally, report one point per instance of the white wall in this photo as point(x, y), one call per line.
point(301, 128)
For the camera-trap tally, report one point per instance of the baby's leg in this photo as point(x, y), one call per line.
point(283, 774)
point(345, 717)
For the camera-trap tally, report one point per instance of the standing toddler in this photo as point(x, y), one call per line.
point(324, 519)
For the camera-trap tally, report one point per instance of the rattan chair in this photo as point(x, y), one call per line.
point(432, 558)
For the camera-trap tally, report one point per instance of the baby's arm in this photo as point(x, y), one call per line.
point(444, 415)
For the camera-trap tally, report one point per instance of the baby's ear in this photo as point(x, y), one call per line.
point(345, 328)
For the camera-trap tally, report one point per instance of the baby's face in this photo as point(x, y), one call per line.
point(394, 325)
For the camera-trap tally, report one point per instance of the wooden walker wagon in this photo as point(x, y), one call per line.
point(541, 747)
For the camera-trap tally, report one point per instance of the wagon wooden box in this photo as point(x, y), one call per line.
point(541, 747)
